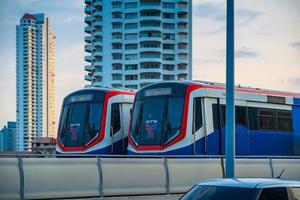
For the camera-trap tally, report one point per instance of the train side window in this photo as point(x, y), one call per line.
point(216, 116)
point(253, 118)
point(115, 117)
point(284, 120)
point(267, 119)
point(198, 113)
point(241, 115)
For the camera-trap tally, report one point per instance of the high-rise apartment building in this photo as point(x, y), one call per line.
point(132, 43)
point(8, 137)
point(35, 80)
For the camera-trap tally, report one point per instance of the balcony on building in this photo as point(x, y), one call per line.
point(88, 68)
point(88, 77)
point(88, 29)
point(88, 48)
point(150, 4)
point(88, 2)
point(88, 10)
point(88, 58)
point(98, 5)
point(88, 19)
point(88, 39)
point(150, 14)
point(153, 76)
point(97, 14)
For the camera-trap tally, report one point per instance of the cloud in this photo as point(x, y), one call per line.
point(296, 45)
point(245, 52)
point(215, 11)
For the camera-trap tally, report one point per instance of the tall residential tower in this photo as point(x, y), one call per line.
point(132, 43)
point(35, 80)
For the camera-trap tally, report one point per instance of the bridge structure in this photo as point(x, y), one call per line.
point(127, 177)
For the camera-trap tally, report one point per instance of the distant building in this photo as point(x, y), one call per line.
point(35, 80)
point(8, 137)
point(132, 43)
point(44, 146)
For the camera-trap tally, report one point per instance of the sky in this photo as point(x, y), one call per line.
point(267, 45)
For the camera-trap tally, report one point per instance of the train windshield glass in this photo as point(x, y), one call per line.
point(156, 121)
point(80, 122)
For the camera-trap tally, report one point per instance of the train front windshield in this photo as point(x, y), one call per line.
point(80, 123)
point(157, 120)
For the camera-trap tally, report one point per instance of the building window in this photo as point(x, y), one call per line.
point(150, 65)
point(150, 23)
point(150, 55)
point(131, 5)
point(131, 77)
point(117, 56)
point(116, 85)
point(182, 35)
point(117, 25)
point(168, 26)
point(169, 46)
point(168, 5)
point(131, 46)
point(150, 13)
point(131, 36)
point(182, 45)
point(131, 26)
point(182, 5)
point(168, 15)
point(131, 86)
point(131, 15)
point(117, 45)
point(169, 67)
point(169, 57)
point(117, 15)
point(117, 4)
point(131, 56)
point(182, 56)
point(117, 35)
point(131, 67)
point(168, 77)
point(182, 66)
point(182, 25)
point(116, 76)
point(169, 36)
point(182, 77)
point(150, 75)
point(150, 44)
point(182, 15)
point(117, 66)
point(150, 34)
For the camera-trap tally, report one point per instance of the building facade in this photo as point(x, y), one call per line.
point(8, 137)
point(35, 80)
point(132, 43)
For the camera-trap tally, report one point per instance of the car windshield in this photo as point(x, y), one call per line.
point(203, 192)
point(79, 123)
point(156, 121)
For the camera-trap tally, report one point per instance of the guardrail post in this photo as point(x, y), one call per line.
point(271, 166)
point(21, 173)
point(167, 175)
point(100, 177)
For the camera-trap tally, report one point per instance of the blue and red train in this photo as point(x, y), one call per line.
point(188, 118)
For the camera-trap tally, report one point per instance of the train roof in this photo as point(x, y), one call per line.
point(222, 86)
point(94, 94)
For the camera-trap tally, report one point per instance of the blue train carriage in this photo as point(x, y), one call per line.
point(95, 121)
point(188, 118)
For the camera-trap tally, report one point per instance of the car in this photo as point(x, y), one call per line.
point(244, 189)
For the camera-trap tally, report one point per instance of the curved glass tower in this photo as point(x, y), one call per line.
point(131, 43)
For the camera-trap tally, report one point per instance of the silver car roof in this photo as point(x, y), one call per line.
point(251, 182)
